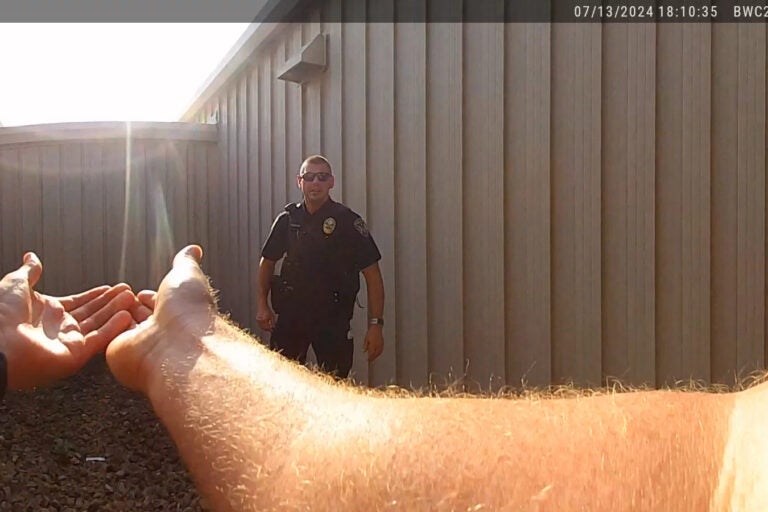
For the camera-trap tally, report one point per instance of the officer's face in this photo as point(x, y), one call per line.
point(315, 190)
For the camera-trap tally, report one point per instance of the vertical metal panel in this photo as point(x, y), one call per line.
point(254, 154)
point(246, 309)
point(233, 243)
point(10, 209)
point(280, 139)
point(74, 235)
point(380, 142)
point(445, 226)
point(628, 259)
point(355, 150)
point(751, 104)
point(312, 98)
point(198, 196)
point(221, 215)
point(527, 200)
point(179, 175)
point(683, 170)
point(483, 201)
point(116, 180)
point(267, 210)
point(215, 205)
point(738, 200)
point(206, 177)
point(725, 199)
point(160, 245)
point(411, 197)
point(94, 215)
point(135, 250)
point(31, 204)
point(576, 277)
point(294, 100)
point(330, 96)
point(51, 251)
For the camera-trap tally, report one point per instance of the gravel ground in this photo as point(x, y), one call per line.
point(88, 444)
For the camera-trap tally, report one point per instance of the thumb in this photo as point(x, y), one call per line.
point(32, 268)
point(186, 280)
point(190, 255)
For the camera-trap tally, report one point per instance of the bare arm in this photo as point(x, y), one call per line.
point(265, 317)
point(374, 337)
point(261, 433)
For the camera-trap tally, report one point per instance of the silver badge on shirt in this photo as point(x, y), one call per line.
point(329, 225)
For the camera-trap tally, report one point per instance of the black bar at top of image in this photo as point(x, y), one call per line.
point(385, 11)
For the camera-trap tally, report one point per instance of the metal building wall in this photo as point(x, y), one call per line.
point(100, 203)
point(553, 202)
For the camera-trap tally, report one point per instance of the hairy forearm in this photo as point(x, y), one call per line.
point(237, 412)
point(643, 451)
point(261, 433)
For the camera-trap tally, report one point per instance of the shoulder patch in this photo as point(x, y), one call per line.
point(361, 227)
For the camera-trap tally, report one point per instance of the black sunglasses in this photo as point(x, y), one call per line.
point(310, 176)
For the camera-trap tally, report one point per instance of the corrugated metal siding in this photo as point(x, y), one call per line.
point(553, 202)
point(98, 207)
point(544, 195)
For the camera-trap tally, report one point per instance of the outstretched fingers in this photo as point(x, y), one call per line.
point(97, 339)
point(72, 302)
point(98, 312)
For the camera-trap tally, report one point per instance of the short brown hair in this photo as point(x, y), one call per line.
point(315, 159)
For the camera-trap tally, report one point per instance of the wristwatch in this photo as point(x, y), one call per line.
point(375, 321)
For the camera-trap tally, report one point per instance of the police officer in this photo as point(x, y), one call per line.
point(326, 246)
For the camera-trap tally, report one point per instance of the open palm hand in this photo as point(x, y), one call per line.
point(46, 338)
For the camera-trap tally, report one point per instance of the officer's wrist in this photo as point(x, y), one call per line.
point(376, 322)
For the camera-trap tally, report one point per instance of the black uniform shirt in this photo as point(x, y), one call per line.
point(331, 245)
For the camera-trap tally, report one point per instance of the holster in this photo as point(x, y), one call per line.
point(281, 292)
point(343, 298)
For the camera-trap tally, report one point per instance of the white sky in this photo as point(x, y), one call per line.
point(56, 72)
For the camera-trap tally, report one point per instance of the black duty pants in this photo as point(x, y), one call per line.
point(330, 340)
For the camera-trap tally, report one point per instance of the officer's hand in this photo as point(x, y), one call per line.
point(47, 338)
point(374, 342)
point(266, 318)
point(182, 312)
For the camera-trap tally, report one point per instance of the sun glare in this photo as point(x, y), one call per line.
point(61, 72)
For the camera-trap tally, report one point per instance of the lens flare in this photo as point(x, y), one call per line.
point(126, 218)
